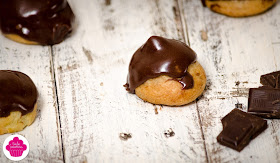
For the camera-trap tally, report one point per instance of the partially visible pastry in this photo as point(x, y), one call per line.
point(239, 8)
point(165, 71)
point(18, 101)
point(44, 22)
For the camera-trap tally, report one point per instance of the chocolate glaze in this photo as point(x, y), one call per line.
point(17, 93)
point(44, 21)
point(161, 56)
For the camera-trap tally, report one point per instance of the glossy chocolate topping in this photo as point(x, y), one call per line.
point(161, 56)
point(44, 21)
point(17, 93)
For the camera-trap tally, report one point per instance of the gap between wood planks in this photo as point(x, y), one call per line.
point(186, 39)
point(57, 101)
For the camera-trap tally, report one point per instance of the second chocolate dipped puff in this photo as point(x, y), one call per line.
point(239, 8)
point(165, 71)
point(44, 22)
point(18, 101)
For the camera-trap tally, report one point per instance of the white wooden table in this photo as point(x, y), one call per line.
point(83, 106)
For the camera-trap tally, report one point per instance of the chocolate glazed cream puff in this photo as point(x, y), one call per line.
point(239, 8)
point(165, 71)
point(18, 101)
point(44, 22)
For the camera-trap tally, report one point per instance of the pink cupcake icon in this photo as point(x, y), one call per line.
point(16, 147)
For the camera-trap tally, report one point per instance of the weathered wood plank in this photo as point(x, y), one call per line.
point(234, 54)
point(44, 134)
point(91, 68)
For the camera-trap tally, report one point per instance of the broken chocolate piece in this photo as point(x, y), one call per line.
point(271, 79)
point(239, 128)
point(264, 102)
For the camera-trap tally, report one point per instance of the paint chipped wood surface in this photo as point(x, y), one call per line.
point(85, 114)
point(44, 134)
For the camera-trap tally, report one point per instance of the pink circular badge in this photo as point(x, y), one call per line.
point(16, 147)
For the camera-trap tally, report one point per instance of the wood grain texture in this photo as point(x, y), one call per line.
point(44, 134)
point(87, 71)
point(91, 69)
point(235, 53)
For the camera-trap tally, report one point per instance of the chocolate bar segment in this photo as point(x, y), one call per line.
point(239, 128)
point(264, 102)
point(278, 82)
point(271, 79)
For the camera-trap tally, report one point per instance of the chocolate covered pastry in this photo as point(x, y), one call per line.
point(18, 101)
point(239, 8)
point(44, 22)
point(165, 71)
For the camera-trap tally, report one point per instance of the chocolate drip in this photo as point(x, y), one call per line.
point(161, 56)
point(17, 93)
point(44, 21)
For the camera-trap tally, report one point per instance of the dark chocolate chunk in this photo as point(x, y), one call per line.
point(161, 56)
point(271, 79)
point(264, 102)
point(239, 128)
point(43, 21)
point(17, 93)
